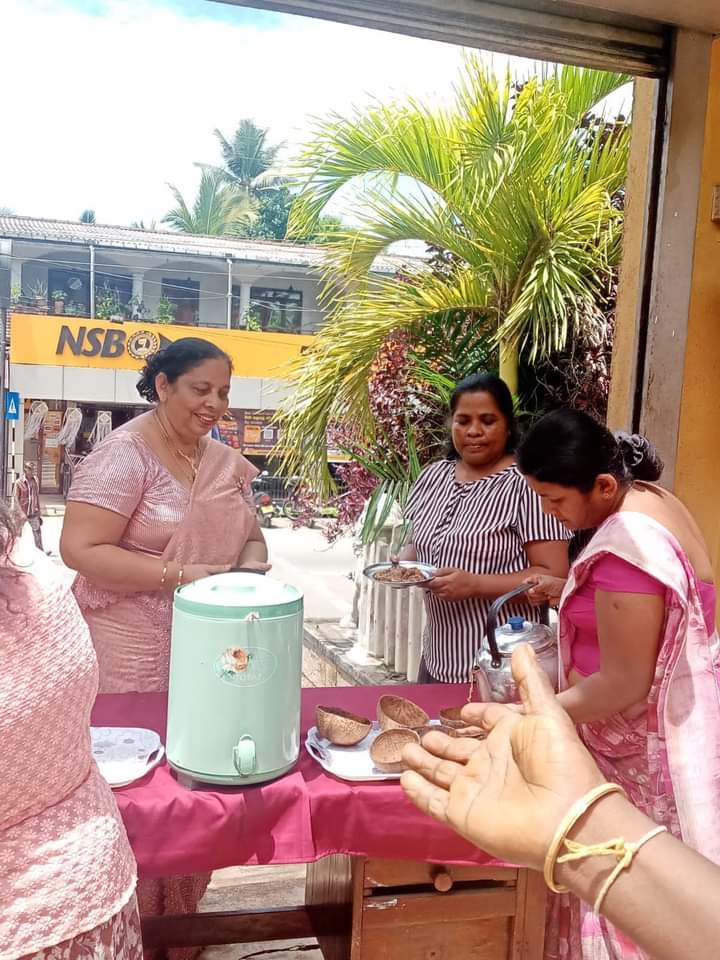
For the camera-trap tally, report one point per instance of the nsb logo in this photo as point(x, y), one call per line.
point(108, 342)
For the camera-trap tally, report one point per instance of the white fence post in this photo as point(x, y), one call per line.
point(390, 622)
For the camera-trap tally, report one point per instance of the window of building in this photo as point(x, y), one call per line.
point(75, 284)
point(277, 309)
point(185, 295)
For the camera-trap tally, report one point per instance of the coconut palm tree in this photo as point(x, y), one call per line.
point(218, 208)
point(249, 160)
point(514, 181)
point(88, 216)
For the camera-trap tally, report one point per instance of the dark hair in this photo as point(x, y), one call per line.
point(500, 392)
point(571, 448)
point(174, 360)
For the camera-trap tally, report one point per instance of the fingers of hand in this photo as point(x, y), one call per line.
point(536, 693)
point(458, 749)
point(430, 798)
point(433, 769)
point(487, 715)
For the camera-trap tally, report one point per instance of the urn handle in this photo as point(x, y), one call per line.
point(492, 617)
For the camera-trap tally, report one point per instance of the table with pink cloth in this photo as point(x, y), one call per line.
point(301, 817)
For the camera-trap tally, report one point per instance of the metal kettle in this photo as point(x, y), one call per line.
point(492, 671)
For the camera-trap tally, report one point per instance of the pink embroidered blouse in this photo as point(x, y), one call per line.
point(65, 861)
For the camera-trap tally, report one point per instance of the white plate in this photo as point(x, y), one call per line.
point(125, 754)
point(348, 763)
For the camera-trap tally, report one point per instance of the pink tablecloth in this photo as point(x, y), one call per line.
point(305, 815)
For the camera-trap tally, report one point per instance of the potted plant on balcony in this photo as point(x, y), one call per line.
point(165, 311)
point(39, 293)
point(59, 301)
point(252, 320)
point(134, 309)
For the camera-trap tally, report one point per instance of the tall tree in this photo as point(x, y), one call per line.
point(218, 208)
point(87, 216)
point(249, 161)
point(507, 180)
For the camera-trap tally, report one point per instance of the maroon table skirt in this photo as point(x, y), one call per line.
point(304, 816)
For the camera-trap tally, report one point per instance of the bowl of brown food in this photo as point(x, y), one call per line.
point(436, 728)
point(341, 727)
point(452, 717)
point(387, 747)
point(404, 573)
point(397, 712)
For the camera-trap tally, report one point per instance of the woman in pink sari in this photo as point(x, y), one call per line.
point(639, 663)
point(159, 504)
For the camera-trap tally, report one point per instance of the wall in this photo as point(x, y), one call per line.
point(698, 461)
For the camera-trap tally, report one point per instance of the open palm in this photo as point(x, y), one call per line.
point(505, 794)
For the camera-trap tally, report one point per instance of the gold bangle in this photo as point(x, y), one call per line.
point(576, 811)
point(180, 577)
point(164, 575)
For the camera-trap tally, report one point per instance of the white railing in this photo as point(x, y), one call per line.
point(390, 622)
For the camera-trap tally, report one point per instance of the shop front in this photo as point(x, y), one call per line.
point(77, 380)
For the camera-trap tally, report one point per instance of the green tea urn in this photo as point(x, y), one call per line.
point(235, 680)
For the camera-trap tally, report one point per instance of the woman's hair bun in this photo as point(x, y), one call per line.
point(640, 457)
point(146, 383)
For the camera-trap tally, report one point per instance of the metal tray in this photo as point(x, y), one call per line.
point(348, 763)
point(375, 568)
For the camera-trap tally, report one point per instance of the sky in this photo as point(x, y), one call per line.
point(109, 100)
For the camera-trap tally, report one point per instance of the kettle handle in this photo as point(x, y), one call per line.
point(491, 623)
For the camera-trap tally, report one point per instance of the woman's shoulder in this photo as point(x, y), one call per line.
point(436, 471)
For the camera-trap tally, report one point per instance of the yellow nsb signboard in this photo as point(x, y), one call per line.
point(70, 342)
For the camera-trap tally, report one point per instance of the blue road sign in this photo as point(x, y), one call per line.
point(12, 405)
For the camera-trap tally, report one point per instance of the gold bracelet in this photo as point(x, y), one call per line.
point(180, 576)
point(164, 575)
point(576, 811)
point(623, 852)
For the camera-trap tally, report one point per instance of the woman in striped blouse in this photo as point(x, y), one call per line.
point(476, 520)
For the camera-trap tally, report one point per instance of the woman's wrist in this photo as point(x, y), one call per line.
point(612, 816)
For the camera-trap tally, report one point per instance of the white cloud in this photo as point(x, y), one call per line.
point(104, 109)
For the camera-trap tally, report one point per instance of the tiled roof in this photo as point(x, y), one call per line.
point(167, 241)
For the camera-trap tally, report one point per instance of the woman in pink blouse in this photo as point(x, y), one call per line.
point(67, 874)
point(639, 659)
point(158, 504)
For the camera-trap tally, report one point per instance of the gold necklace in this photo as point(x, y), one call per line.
point(192, 462)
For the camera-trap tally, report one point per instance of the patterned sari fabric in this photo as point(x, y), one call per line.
point(116, 939)
point(667, 756)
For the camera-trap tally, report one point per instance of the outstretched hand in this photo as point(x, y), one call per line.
point(507, 793)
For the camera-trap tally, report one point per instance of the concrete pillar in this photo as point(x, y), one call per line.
point(677, 220)
point(698, 465)
point(637, 251)
point(244, 300)
point(15, 276)
point(138, 284)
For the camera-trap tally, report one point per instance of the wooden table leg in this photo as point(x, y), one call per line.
point(329, 881)
point(528, 940)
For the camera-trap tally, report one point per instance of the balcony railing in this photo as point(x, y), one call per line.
point(126, 312)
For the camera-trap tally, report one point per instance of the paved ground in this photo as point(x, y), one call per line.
point(304, 558)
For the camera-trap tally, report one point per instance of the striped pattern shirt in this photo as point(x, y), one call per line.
point(483, 527)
